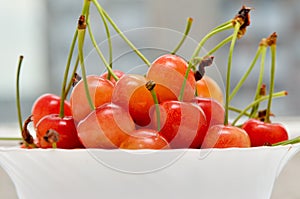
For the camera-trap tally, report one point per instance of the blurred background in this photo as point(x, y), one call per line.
point(42, 31)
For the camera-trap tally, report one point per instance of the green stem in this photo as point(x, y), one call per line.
point(18, 101)
point(150, 86)
point(234, 38)
point(186, 32)
point(206, 37)
point(217, 47)
point(287, 142)
point(68, 88)
point(223, 24)
point(102, 11)
point(81, 35)
point(272, 82)
point(238, 111)
point(109, 44)
point(245, 76)
point(274, 95)
point(10, 139)
point(260, 79)
point(63, 88)
point(106, 64)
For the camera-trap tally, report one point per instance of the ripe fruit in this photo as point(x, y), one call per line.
point(48, 104)
point(225, 136)
point(262, 133)
point(106, 127)
point(183, 124)
point(130, 93)
point(100, 91)
point(208, 87)
point(169, 71)
point(145, 139)
point(213, 110)
point(118, 73)
point(64, 131)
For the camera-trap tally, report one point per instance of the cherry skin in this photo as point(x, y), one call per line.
point(100, 91)
point(183, 124)
point(169, 71)
point(145, 139)
point(208, 87)
point(106, 127)
point(48, 104)
point(213, 110)
point(118, 73)
point(226, 136)
point(64, 127)
point(262, 133)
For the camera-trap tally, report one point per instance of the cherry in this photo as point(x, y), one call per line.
point(208, 87)
point(221, 136)
point(100, 91)
point(183, 124)
point(105, 127)
point(118, 73)
point(213, 110)
point(48, 104)
point(52, 129)
point(145, 139)
point(169, 71)
point(262, 133)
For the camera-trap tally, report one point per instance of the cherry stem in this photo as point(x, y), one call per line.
point(234, 38)
point(206, 37)
point(81, 35)
point(65, 79)
point(263, 98)
point(108, 67)
point(186, 32)
point(18, 101)
point(68, 88)
point(272, 76)
point(150, 86)
point(259, 52)
point(218, 46)
point(110, 73)
point(260, 78)
point(287, 142)
point(238, 111)
point(103, 12)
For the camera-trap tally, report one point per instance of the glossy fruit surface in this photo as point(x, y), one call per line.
point(118, 73)
point(145, 139)
point(213, 110)
point(65, 129)
point(208, 87)
point(48, 104)
point(221, 136)
point(100, 91)
point(183, 124)
point(106, 127)
point(169, 71)
point(262, 133)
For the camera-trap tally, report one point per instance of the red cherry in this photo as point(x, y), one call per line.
point(65, 129)
point(183, 124)
point(100, 91)
point(262, 133)
point(106, 127)
point(213, 110)
point(145, 139)
point(48, 104)
point(118, 73)
point(169, 71)
point(225, 136)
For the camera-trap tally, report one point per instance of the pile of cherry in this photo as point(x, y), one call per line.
point(174, 105)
